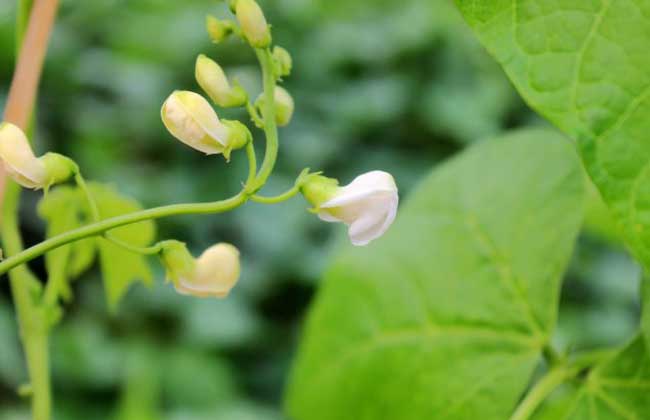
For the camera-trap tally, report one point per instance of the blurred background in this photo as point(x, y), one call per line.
point(399, 85)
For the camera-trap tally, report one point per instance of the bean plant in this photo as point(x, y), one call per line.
point(452, 313)
point(87, 219)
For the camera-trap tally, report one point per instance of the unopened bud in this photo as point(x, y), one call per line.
point(212, 79)
point(218, 29)
point(213, 274)
point(253, 23)
point(24, 167)
point(282, 61)
point(191, 119)
point(284, 105)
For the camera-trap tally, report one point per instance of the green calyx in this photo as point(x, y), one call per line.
point(177, 260)
point(59, 168)
point(319, 189)
point(238, 136)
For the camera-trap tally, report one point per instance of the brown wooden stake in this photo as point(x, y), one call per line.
point(24, 85)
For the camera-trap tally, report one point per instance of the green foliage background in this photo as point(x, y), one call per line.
point(393, 84)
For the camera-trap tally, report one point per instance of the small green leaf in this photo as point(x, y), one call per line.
point(63, 209)
point(584, 64)
point(121, 267)
point(617, 388)
point(447, 315)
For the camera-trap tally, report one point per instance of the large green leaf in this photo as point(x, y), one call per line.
point(617, 388)
point(445, 317)
point(584, 64)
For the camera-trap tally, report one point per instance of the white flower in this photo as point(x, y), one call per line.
point(213, 274)
point(191, 119)
point(19, 159)
point(368, 205)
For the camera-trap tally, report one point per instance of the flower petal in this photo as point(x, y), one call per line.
point(190, 118)
point(18, 158)
point(363, 186)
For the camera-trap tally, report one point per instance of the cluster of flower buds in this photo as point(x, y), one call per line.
point(213, 274)
point(367, 205)
point(189, 116)
point(24, 167)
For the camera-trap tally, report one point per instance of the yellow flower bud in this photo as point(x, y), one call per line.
point(191, 119)
point(213, 274)
point(18, 158)
point(214, 82)
point(253, 23)
point(24, 167)
point(283, 62)
point(284, 106)
point(218, 30)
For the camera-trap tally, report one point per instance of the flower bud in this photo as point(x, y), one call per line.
point(283, 62)
point(253, 23)
point(284, 106)
point(218, 29)
point(368, 205)
point(213, 274)
point(24, 167)
point(214, 82)
point(191, 119)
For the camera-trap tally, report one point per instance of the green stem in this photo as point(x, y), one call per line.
point(105, 225)
point(252, 164)
point(270, 128)
point(94, 211)
point(148, 250)
point(554, 378)
point(255, 117)
point(278, 198)
point(31, 317)
point(81, 183)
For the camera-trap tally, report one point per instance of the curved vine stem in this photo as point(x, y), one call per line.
point(106, 225)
